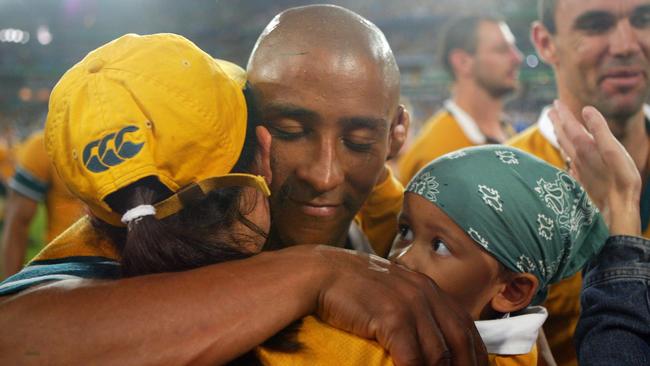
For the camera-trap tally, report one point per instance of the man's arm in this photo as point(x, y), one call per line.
point(20, 211)
point(216, 313)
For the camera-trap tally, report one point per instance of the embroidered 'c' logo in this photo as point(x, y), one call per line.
point(110, 150)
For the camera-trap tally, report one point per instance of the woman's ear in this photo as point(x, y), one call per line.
point(517, 293)
point(263, 158)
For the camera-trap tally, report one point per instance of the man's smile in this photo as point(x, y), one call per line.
point(318, 208)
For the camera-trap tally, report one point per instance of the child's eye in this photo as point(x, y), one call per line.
point(405, 233)
point(440, 248)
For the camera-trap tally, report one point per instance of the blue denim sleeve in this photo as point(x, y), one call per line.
point(614, 325)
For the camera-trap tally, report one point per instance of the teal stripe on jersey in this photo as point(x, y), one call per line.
point(27, 184)
point(60, 269)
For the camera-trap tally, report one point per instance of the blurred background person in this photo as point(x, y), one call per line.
point(7, 152)
point(480, 54)
point(598, 51)
point(34, 181)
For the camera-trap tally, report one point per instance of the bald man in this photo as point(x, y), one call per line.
point(329, 89)
point(149, 319)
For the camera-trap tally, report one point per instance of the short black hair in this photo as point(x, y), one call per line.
point(462, 33)
point(546, 14)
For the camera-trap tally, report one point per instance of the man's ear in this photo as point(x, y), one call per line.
point(398, 131)
point(544, 43)
point(517, 293)
point(462, 63)
point(263, 158)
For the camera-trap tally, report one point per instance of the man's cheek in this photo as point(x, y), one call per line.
point(281, 160)
point(280, 172)
point(370, 162)
point(278, 150)
point(364, 179)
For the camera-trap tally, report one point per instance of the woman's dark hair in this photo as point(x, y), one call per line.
point(196, 236)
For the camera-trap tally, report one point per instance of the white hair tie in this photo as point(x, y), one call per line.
point(138, 212)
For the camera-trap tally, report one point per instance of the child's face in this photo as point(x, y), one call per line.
point(431, 243)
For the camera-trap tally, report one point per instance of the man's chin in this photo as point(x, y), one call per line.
point(620, 106)
point(502, 91)
point(307, 238)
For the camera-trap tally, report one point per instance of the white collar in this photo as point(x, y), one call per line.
point(515, 335)
point(546, 126)
point(466, 123)
point(358, 239)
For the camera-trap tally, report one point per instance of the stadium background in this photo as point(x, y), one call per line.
point(40, 39)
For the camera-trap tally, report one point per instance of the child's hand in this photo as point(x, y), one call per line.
point(602, 165)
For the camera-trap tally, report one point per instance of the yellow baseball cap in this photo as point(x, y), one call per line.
point(142, 106)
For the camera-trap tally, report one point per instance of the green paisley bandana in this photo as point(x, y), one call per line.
point(531, 216)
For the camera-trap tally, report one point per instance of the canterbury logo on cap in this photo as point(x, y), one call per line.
point(110, 150)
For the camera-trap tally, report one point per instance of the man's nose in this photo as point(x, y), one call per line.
point(322, 168)
point(624, 40)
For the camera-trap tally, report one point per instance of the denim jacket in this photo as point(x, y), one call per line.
point(614, 326)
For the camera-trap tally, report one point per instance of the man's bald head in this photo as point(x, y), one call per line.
point(328, 90)
point(329, 35)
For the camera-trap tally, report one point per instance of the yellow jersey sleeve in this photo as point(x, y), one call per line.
point(440, 135)
point(324, 345)
point(32, 157)
point(7, 162)
point(378, 215)
point(33, 176)
point(37, 179)
point(528, 359)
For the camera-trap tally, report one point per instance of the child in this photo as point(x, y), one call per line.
point(493, 227)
